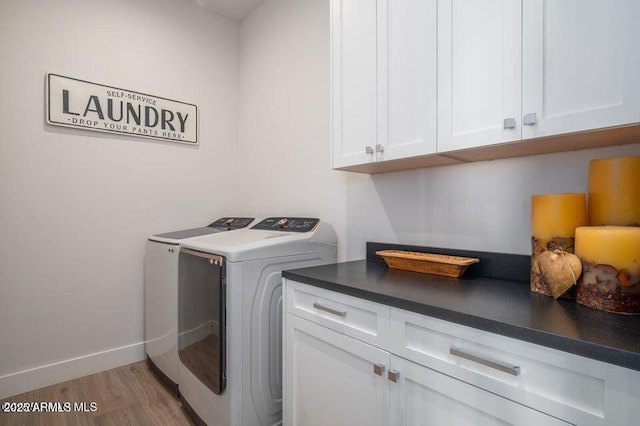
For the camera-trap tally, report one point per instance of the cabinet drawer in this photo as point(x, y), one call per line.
point(361, 319)
point(570, 387)
point(421, 396)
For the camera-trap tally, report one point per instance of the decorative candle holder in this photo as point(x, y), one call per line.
point(614, 191)
point(610, 257)
point(554, 218)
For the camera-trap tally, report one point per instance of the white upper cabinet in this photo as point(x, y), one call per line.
point(580, 65)
point(479, 73)
point(353, 81)
point(383, 80)
point(407, 101)
point(420, 83)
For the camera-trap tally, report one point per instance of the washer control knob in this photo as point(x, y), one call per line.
point(229, 221)
point(283, 222)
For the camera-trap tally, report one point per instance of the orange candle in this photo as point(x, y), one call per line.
point(554, 219)
point(557, 215)
point(610, 258)
point(614, 191)
point(617, 246)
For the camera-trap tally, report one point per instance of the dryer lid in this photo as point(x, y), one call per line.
point(287, 224)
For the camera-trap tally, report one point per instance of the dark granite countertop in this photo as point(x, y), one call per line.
point(499, 305)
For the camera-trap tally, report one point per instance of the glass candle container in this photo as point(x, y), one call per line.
point(614, 191)
point(610, 257)
point(554, 219)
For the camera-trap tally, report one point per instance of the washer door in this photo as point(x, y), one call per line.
point(201, 317)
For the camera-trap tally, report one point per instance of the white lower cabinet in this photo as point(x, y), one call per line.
point(330, 379)
point(334, 379)
point(418, 370)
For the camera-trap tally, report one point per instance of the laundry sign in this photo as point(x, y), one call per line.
point(91, 106)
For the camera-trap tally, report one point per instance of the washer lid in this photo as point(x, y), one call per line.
point(220, 225)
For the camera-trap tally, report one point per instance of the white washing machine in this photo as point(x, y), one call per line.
point(161, 296)
point(230, 361)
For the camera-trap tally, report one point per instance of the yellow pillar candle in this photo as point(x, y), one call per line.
point(618, 246)
point(614, 191)
point(610, 258)
point(557, 215)
point(554, 218)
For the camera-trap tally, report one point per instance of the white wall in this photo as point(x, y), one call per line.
point(284, 120)
point(76, 206)
point(484, 206)
point(284, 139)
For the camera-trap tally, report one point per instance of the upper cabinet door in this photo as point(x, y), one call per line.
point(581, 65)
point(479, 73)
point(353, 81)
point(407, 47)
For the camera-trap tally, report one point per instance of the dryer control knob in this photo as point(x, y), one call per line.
point(229, 221)
point(283, 222)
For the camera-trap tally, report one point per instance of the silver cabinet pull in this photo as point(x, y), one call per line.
point(529, 119)
point(378, 369)
point(510, 123)
point(341, 314)
point(514, 370)
point(379, 148)
point(368, 150)
point(393, 375)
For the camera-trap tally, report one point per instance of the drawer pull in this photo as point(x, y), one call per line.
point(341, 314)
point(514, 370)
point(509, 123)
point(529, 119)
point(378, 369)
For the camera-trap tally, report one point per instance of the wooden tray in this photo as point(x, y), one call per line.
point(428, 263)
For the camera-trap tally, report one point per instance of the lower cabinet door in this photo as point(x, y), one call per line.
point(332, 379)
point(422, 396)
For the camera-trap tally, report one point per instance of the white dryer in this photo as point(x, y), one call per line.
point(230, 361)
point(161, 295)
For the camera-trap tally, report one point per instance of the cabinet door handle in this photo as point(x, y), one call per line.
point(378, 369)
point(379, 148)
point(510, 123)
point(368, 150)
point(393, 375)
point(341, 314)
point(514, 370)
point(529, 119)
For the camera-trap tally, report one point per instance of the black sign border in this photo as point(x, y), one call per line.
point(52, 122)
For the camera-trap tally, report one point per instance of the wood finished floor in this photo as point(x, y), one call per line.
point(127, 395)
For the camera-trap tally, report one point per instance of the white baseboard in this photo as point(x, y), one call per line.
point(50, 374)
